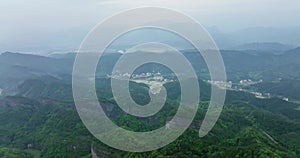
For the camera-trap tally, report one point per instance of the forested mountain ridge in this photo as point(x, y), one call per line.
point(39, 118)
point(247, 127)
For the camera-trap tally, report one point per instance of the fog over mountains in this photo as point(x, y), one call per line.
point(67, 41)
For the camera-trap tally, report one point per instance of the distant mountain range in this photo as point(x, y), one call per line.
point(255, 61)
point(267, 47)
point(70, 41)
point(252, 63)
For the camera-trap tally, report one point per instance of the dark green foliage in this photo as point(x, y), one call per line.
point(40, 114)
point(243, 130)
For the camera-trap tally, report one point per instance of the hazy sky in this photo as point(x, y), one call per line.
point(38, 25)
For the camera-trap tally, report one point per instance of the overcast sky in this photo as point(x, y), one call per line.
point(37, 25)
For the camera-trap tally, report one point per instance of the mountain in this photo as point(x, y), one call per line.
point(45, 87)
point(38, 117)
point(248, 127)
point(295, 51)
point(263, 36)
point(267, 47)
point(16, 67)
point(290, 35)
point(284, 88)
point(240, 65)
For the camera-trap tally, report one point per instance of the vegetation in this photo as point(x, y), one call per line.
point(248, 127)
point(38, 117)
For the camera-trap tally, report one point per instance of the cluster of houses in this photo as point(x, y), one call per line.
point(229, 85)
point(249, 82)
point(143, 76)
point(221, 84)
